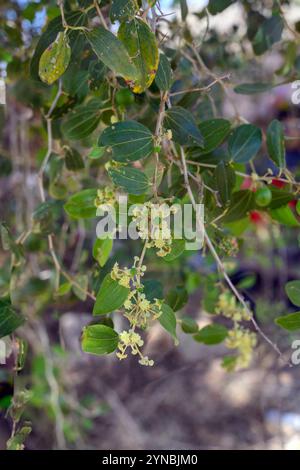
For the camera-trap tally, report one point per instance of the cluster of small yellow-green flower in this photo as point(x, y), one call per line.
point(153, 224)
point(138, 309)
point(239, 338)
point(131, 339)
point(244, 341)
point(105, 197)
point(229, 307)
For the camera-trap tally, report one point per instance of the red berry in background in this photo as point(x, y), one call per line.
point(255, 217)
point(293, 203)
point(278, 184)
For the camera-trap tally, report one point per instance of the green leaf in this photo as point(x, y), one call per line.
point(112, 52)
point(214, 132)
point(298, 207)
point(55, 59)
point(82, 280)
point(120, 10)
point(268, 34)
point(177, 248)
point(153, 289)
point(280, 198)
point(183, 126)
point(82, 205)
point(111, 296)
point(129, 141)
point(177, 298)
point(292, 290)
point(82, 121)
point(10, 320)
point(76, 18)
point(184, 9)
point(164, 76)
point(252, 88)
point(276, 144)
point(242, 202)
point(285, 216)
point(132, 180)
point(225, 179)
point(99, 339)
point(167, 319)
point(211, 334)
point(102, 249)
point(289, 322)
point(189, 325)
point(73, 159)
point(217, 6)
point(244, 143)
point(142, 48)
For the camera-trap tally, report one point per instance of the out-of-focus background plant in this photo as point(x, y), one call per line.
point(233, 63)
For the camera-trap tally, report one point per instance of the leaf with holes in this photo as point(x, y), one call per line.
point(112, 52)
point(141, 46)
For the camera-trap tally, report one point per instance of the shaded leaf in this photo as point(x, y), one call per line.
point(132, 180)
point(10, 320)
point(217, 6)
point(120, 10)
point(129, 141)
point(189, 325)
point(225, 179)
point(163, 78)
point(214, 132)
point(82, 121)
point(183, 126)
point(241, 204)
point(252, 88)
point(276, 144)
point(177, 298)
point(244, 143)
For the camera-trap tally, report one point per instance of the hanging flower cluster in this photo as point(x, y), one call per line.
point(239, 338)
point(153, 224)
point(138, 309)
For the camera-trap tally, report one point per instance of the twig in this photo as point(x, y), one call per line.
point(221, 266)
point(206, 88)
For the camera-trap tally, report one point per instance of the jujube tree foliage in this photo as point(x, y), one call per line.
point(130, 101)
